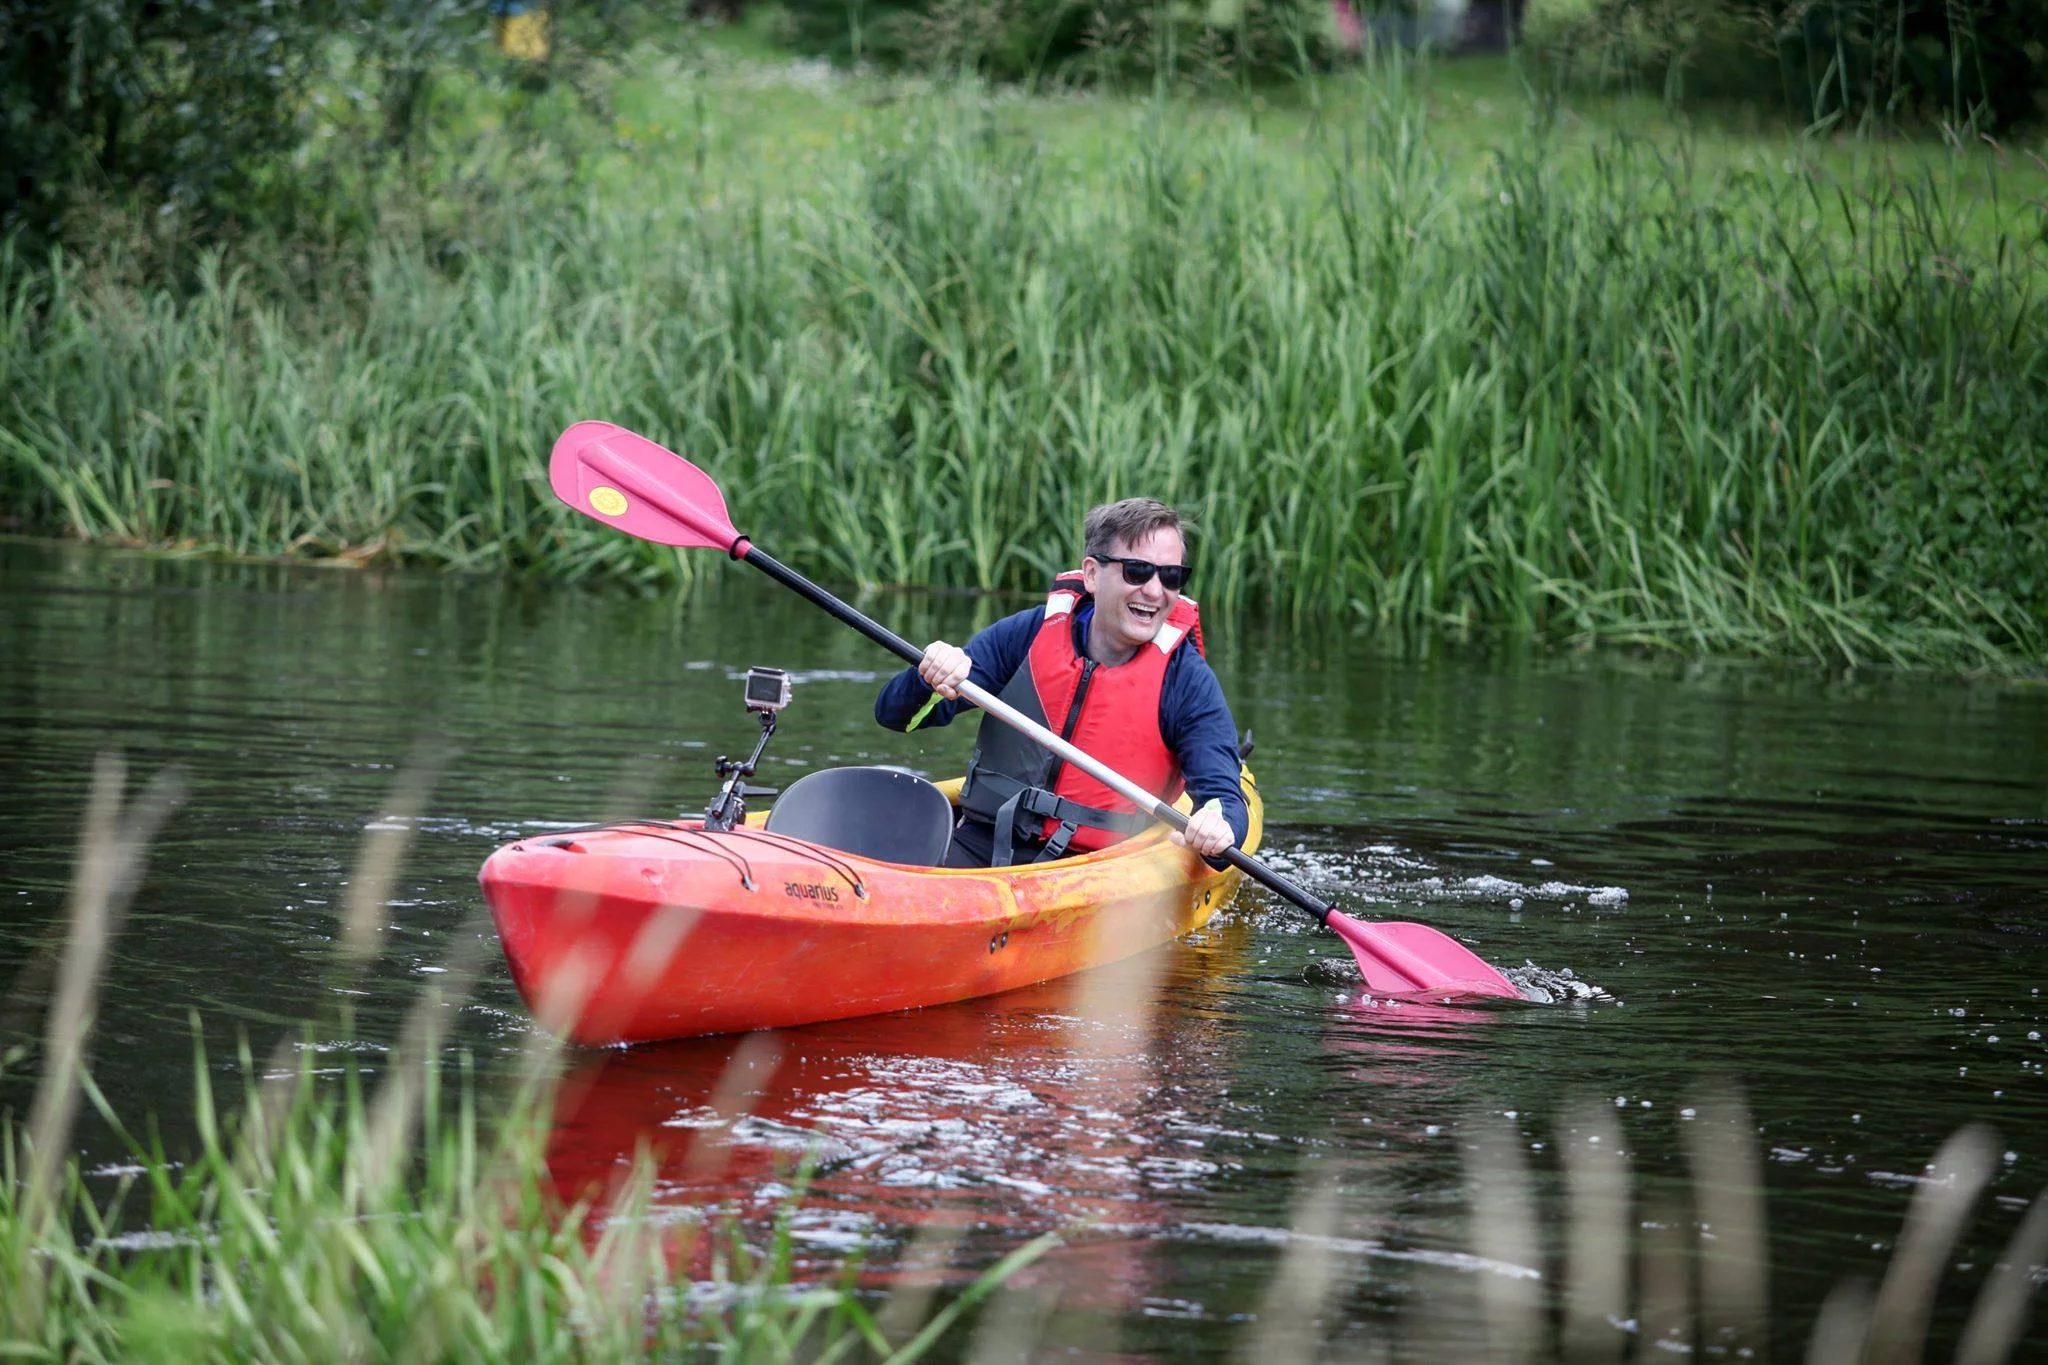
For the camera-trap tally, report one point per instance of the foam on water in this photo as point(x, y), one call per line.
point(1544, 986)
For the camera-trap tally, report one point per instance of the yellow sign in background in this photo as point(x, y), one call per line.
point(522, 32)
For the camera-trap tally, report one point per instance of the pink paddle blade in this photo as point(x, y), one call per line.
point(627, 481)
point(1399, 958)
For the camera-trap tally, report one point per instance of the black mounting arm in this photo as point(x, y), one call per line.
point(729, 808)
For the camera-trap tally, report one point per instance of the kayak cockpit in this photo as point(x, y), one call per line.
point(886, 814)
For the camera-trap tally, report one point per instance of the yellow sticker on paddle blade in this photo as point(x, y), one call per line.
point(609, 501)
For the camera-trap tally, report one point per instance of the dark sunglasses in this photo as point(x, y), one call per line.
point(1138, 572)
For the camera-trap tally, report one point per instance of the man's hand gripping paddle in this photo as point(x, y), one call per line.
point(629, 482)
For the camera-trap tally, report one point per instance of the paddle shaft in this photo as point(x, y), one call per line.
point(995, 706)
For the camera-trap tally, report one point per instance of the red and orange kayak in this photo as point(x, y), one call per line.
point(643, 931)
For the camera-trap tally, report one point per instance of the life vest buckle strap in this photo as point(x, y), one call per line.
point(1051, 806)
point(1033, 804)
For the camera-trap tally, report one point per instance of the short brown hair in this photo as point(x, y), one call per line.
point(1126, 522)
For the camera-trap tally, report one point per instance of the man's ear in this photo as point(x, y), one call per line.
point(1091, 573)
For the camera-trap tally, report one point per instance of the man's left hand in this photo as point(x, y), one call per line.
point(1208, 833)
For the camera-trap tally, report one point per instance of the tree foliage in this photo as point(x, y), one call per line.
point(1976, 64)
point(226, 112)
point(195, 106)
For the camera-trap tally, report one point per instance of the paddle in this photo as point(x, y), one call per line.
point(629, 482)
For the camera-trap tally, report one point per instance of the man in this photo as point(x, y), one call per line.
point(1113, 663)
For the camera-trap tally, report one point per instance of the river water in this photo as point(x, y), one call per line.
point(1820, 893)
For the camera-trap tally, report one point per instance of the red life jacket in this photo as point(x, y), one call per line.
point(1112, 714)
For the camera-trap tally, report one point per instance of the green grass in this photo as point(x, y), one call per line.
point(1409, 355)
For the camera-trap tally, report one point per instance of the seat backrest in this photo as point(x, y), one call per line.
point(881, 813)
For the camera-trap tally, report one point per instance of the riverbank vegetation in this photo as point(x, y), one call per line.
point(1431, 347)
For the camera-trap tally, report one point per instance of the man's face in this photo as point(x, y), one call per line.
point(1132, 613)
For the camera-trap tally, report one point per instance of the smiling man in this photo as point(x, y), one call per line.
point(1112, 662)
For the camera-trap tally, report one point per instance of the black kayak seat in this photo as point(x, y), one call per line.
point(882, 813)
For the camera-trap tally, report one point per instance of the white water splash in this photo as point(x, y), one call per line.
point(1382, 874)
point(1356, 1246)
point(1543, 986)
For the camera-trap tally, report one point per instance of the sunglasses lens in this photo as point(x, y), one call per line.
point(1138, 572)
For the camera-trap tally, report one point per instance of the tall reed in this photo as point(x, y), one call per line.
point(1610, 399)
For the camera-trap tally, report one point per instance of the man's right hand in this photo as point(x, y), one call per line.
point(944, 667)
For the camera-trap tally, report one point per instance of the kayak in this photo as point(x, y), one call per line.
point(649, 930)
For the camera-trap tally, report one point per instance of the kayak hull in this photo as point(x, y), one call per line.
point(641, 932)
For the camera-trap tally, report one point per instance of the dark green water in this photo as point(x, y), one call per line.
point(1828, 890)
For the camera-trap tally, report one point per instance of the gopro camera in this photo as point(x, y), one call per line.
point(767, 690)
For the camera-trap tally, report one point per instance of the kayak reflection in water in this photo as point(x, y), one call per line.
point(1106, 664)
point(939, 1140)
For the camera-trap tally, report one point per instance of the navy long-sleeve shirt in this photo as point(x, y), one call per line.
point(1194, 719)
